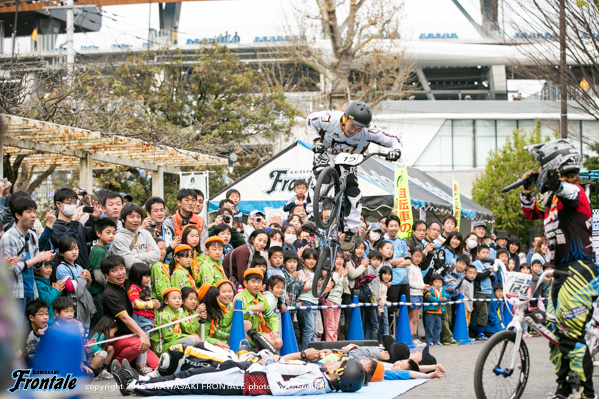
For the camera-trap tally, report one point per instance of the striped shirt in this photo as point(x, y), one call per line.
point(11, 244)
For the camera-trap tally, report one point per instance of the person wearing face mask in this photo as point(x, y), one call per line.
point(68, 222)
point(372, 238)
point(471, 244)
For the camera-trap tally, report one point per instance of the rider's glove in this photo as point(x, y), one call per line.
point(393, 155)
point(318, 148)
point(553, 182)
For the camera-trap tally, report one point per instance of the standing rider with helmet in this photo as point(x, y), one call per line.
point(334, 132)
point(566, 213)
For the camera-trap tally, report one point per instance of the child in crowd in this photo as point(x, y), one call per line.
point(180, 268)
point(289, 237)
point(293, 284)
point(451, 282)
point(159, 272)
point(211, 271)
point(504, 256)
point(80, 278)
point(260, 263)
point(234, 196)
point(47, 292)
point(369, 313)
point(275, 293)
point(219, 316)
point(307, 319)
point(170, 310)
point(525, 268)
point(191, 237)
point(417, 288)
point(339, 284)
point(275, 258)
point(223, 231)
point(386, 250)
point(300, 188)
point(189, 303)
point(101, 355)
point(483, 289)
point(37, 313)
point(433, 310)
point(496, 320)
point(467, 286)
point(64, 314)
point(139, 294)
point(266, 322)
point(385, 277)
point(511, 265)
point(105, 230)
point(536, 268)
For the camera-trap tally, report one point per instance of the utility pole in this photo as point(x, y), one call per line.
point(563, 72)
point(14, 30)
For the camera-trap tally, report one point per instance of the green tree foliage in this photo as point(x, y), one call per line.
point(504, 166)
point(592, 163)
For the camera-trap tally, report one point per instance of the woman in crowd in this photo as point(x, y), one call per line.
point(453, 247)
point(240, 259)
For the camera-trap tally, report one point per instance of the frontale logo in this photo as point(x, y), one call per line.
point(25, 381)
point(281, 181)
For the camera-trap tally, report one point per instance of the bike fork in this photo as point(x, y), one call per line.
point(506, 372)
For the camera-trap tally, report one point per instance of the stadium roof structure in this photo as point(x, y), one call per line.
point(70, 148)
point(9, 6)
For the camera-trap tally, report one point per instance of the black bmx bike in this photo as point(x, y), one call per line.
point(330, 204)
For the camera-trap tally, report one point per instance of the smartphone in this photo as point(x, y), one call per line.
point(303, 243)
point(88, 209)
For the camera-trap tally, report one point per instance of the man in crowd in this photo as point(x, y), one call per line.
point(186, 201)
point(19, 247)
point(156, 211)
point(131, 242)
point(117, 305)
point(112, 204)
point(67, 223)
point(480, 229)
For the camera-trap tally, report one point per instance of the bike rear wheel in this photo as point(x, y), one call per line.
point(491, 377)
point(323, 264)
point(329, 180)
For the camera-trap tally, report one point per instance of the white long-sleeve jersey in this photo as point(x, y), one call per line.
point(326, 127)
point(306, 379)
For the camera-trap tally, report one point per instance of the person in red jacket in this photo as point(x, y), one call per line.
point(566, 216)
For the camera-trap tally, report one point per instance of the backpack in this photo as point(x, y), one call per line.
point(365, 293)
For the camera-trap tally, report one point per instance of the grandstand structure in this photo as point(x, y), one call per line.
point(467, 96)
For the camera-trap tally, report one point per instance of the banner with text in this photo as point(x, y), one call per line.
point(401, 203)
point(457, 204)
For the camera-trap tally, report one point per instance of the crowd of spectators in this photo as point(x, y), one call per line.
point(115, 268)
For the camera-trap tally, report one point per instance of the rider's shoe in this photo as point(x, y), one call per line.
point(349, 242)
point(309, 226)
point(482, 337)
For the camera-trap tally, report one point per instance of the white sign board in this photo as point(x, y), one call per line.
point(197, 181)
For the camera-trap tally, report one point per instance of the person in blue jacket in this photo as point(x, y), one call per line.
point(483, 289)
point(496, 320)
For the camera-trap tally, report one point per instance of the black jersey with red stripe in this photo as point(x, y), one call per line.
point(566, 220)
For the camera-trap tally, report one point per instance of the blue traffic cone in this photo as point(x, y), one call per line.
point(507, 315)
point(355, 331)
point(403, 333)
point(460, 327)
point(237, 330)
point(287, 335)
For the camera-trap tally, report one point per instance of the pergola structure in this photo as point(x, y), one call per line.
point(71, 148)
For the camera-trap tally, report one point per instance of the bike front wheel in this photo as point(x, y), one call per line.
point(492, 378)
point(323, 264)
point(327, 187)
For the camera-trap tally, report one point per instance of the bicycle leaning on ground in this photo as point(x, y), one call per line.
point(502, 367)
point(329, 195)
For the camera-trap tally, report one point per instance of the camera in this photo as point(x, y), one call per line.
point(153, 224)
point(226, 218)
point(258, 219)
point(82, 192)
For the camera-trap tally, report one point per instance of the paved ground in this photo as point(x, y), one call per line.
point(459, 364)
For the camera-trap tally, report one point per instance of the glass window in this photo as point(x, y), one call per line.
point(505, 130)
point(527, 125)
point(436, 156)
point(485, 140)
point(463, 133)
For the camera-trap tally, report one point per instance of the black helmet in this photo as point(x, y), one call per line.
point(359, 113)
point(554, 155)
point(353, 376)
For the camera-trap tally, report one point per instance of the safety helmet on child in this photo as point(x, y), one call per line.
point(352, 378)
point(554, 155)
point(359, 113)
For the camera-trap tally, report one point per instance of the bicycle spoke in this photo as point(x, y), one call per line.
point(495, 377)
